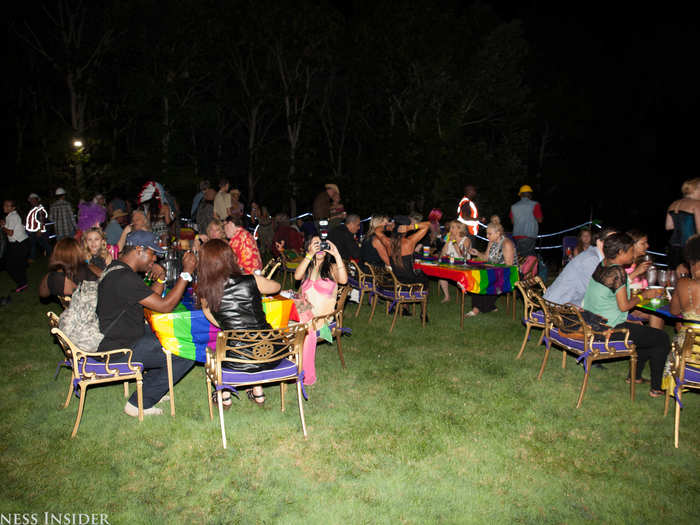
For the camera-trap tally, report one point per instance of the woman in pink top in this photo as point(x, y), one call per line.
point(322, 271)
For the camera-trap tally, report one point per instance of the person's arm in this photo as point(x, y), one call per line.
point(537, 212)
point(625, 304)
point(639, 270)
point(44, 287)
point(480, 255)
point(94, 269)
point(340, 274)
point(166, 304)
point(383, 239)
point(122, 238)
point(508, 252)
point(417, 232)
point(308, 257)
point(669, 221)
point(207, 312)
point(267, 286)
point(381, 250)
point(696, 213)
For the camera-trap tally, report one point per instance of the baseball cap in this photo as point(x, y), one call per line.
point(33, 196)
point(60, 191)
point(119, 213)
point(145, 239)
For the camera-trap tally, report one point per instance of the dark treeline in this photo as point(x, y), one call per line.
point(399, 106)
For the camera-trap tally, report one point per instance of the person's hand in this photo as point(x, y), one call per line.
point(189, 262)
point(640, 269)
point(314, 248)
point(333, 250)
point(474, 252)
point(129, 228)
point(156, 273)
point(389, 226)
point(279, 246)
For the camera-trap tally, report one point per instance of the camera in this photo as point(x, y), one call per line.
point(323, 226)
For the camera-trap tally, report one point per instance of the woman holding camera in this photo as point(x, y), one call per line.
point(322, 270)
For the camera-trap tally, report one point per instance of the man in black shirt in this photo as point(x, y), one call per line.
point(343, 236)
point(122, 294)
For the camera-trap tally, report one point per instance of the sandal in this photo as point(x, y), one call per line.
point(639, 381)
point(471, 313)
point(225, 401)
point(656, 393)
point(255, 398)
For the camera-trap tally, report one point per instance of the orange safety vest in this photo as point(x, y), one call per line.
point(472, 221)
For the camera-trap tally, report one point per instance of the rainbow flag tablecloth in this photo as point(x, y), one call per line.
point(478, 278)
point(186, 332)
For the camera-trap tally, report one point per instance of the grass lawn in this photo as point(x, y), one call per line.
point(434, 425)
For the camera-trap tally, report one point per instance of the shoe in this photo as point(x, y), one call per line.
point(656, 393)
point(21, 288)
point(131, 410)
point(637, 381)
point(256, 398)
point(226, 402)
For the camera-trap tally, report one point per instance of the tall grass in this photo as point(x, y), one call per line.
point(434, 425)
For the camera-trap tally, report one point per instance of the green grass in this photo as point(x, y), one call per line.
point(434, 425)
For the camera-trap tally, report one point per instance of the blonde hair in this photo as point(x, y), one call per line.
point(104, 253)
point(690, 186)
point(459, 225)
point(375, 222)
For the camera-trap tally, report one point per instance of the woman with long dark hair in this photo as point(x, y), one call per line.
point(321, 271)
point(233, 301)
point(67, 269)
point(401, 246)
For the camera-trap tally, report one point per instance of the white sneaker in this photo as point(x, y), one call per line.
point(133, 411)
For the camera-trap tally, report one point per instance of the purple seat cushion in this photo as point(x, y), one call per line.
point(692, 374)
point(94, 366)
point(284, 369)
point(537, 316)
point(577, 344)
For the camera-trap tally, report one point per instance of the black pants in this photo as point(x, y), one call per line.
point(17, 261)
point(653, 346)
point(485, 303)
point(148, 350)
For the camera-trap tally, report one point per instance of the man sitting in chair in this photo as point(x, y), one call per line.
point(122, 294)
point(570, 285)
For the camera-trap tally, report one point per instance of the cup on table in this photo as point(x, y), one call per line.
point(651, 276)
point(662, 277)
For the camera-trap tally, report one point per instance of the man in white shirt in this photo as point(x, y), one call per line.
point(18, 248)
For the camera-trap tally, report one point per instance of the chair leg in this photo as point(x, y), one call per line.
point(300, 400)
point(139, 398)
point(522, 347)
point(677, 422)
point(283, 391)
point(587, 365)
point(359, 304)
point(397, 307)
point(80, 410)
point(668, 396)
point(374, 305)
point(169, 362)
point(563, 359)
point(544, 361)
point(211, 411)
point(126, 389)
point(633, 373)
point(70, 392)
point(424, 310)
point(221, 418)
point(541, 338)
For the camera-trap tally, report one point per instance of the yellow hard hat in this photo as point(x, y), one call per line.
point(525, 189)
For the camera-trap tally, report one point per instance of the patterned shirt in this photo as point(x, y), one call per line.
point(61, 213)
point(246, 251)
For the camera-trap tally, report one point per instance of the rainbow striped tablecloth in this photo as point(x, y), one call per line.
point(478, 278)
point(186, 332)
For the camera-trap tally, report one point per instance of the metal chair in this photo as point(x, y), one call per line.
point(92, 368)
point(565, 327)
point(360, 281)
point(533, 315)
point(262, 347)
point(396, 293)
point(685, 373)
point(334, 321)
point(271, 267)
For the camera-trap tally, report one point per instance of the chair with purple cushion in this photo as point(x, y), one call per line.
point(360, 281)
point(565, 327)
point(533, 315)
point(271, 267)
point(93, 368)
point(396, 294)
point(282, 346)
point(334, 320)
point(685, 373)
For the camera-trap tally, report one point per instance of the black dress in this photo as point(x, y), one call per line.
point(369, 254)
point(241, 309)
point(407, 274)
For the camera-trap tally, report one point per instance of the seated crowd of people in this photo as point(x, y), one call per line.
point(228, 252)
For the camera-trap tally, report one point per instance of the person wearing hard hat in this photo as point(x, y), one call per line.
point(526, 216)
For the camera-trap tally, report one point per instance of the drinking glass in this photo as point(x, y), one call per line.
point(672, 279)
point(651, 275)
point(662, 277)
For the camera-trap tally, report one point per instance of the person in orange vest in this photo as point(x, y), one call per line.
point(467, 212)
